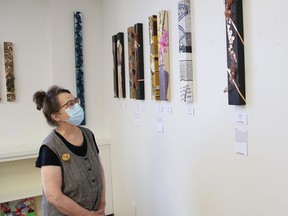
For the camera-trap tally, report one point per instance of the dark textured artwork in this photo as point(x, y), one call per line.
point(136, 62)
point(131, 62)
point(115, 74)
point(138, 43)
point(119, 65)
point(9, 71)
point(79, 60)
point(235, 52)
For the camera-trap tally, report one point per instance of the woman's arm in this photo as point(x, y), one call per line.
point(52, 182)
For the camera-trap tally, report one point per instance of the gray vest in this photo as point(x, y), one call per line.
point(81, 176)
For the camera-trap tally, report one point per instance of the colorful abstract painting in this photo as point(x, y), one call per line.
point(235, 52)
point(185, 50)
point(78, 40)
point(9, 71)
point(23, 207)
point(163, 55)
point(154, 66)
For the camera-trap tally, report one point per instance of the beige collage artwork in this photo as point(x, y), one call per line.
point(9, 71)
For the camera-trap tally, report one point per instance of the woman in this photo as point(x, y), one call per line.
point(72, 174)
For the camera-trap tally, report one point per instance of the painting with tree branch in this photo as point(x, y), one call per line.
point(235, 52)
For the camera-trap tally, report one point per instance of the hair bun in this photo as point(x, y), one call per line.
point(38, 99)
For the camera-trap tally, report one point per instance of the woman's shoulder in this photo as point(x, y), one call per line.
point(51, 136)
point(47, 156)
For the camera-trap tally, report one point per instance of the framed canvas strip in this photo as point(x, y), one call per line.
point(78, 39)
point(139, 61)
point(9, 71)
point(185, 50)
point(115, 73)
point(120, 65)
point(163, 55)
point(154, 66)
point(131, 62)
point(235, 52)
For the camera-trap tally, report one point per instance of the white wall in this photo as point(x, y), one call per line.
point(192, 168)
point(25, 23)
point(42, 32)
point(63, 55)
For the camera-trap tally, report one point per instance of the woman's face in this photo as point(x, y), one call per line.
point(65, 101)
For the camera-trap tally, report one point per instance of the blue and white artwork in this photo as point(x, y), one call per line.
point(79, 60)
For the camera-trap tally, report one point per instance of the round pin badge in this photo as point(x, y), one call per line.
point(66, 157)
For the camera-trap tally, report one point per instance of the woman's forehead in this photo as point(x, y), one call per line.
point(65, 96)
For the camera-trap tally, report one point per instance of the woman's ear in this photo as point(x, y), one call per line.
point(55, 116)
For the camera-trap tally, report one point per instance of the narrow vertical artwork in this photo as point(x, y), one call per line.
point(139, 61)
point(9, 71)
point(120, 65)
point(131, 62)
point(79, 60)
point(235, 52)
point(154, 66)
point(185, 50)
point(115, 73)
point(163, 55)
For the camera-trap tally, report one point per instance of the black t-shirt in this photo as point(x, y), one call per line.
point(48, 157)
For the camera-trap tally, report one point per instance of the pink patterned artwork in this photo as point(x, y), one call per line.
point(163, 55)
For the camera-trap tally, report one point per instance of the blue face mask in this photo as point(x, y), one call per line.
point(76, 114)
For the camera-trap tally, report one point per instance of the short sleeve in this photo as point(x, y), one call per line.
point(47, 157)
